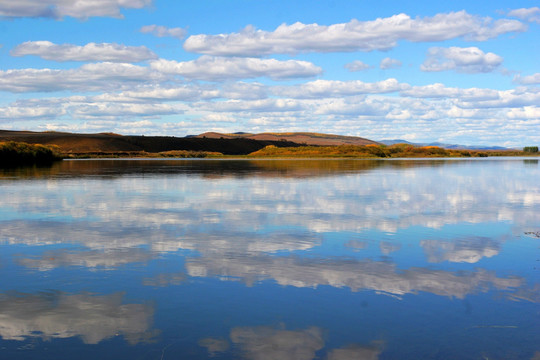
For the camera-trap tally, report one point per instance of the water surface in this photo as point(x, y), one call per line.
point(271, 259)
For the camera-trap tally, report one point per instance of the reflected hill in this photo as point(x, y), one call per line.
point(301, 168)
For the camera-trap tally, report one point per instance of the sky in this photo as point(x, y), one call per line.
point(460, 72)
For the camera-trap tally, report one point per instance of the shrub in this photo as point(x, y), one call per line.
point(531, 149)
point(17, 153)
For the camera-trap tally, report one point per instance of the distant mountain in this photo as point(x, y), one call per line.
point(443, 145)
point(304, 138)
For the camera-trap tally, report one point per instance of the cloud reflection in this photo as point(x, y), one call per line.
point(108, 259)
point(268, 343)
point(470, 250)
point(355, 352)
point(271, 193)
point(93, 318)
point(357, 275)
point(265, 343)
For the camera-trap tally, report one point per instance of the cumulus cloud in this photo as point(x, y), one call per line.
point(320, 89)
point(464, 60)
point(357, 65)
point(94, 318)
point(118, 110)
point(506, 99)
point(389, 63)
point(528, 80)
point(57, 9)
point(439, 90)
point(163, 31)
point(222, 68)
point(88, 77)
point(157, 93)
point(264, 105)
point(527, 14)
point(104, 52)
point(379, 34)
point(31, 112)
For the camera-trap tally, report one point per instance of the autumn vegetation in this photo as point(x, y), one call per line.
point(18, 153)
point(376, 151)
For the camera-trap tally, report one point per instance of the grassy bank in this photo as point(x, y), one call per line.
point(377, 151)
point(18, 154)
point(184, 154)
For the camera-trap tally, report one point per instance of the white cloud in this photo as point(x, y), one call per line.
point(506, 99)
point(439, 90)
point(88, 77)
point(89, 52)
point(116, 111)
point(244, 90)
point(528, 80)
point(320, 89)
point(57, 9)
point(163, 31)
point(527, 14)
point(464, 60)
point(357, 65)
point(526, 112)
point(388, 63)
point(157, 93)
point(222, 68)
point(379, 34)
point(264, 105)
point(14, 112)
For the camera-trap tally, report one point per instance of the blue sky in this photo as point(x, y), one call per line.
point(464, 72)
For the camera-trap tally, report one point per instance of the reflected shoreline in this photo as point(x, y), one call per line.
point(220, 168)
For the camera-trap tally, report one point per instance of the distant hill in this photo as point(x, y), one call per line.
point(443, 145)
point(239, 143)
point(71, 143)
point(304, 138)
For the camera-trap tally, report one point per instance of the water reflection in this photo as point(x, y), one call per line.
point(215, 169)
point(93, 318)
point(469, 250)
point(357, 275)
point(224, 250)
point(266, 342)
point(108, 259)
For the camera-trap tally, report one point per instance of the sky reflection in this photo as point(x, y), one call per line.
point(210, 259)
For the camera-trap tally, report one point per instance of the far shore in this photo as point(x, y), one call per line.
point(19, 148)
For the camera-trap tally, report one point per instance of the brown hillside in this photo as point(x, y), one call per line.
point(304, 138)
point(104, 143)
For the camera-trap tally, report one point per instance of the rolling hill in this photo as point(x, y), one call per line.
point(303, 138)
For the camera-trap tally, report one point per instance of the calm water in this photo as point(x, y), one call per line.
point(337, 259)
